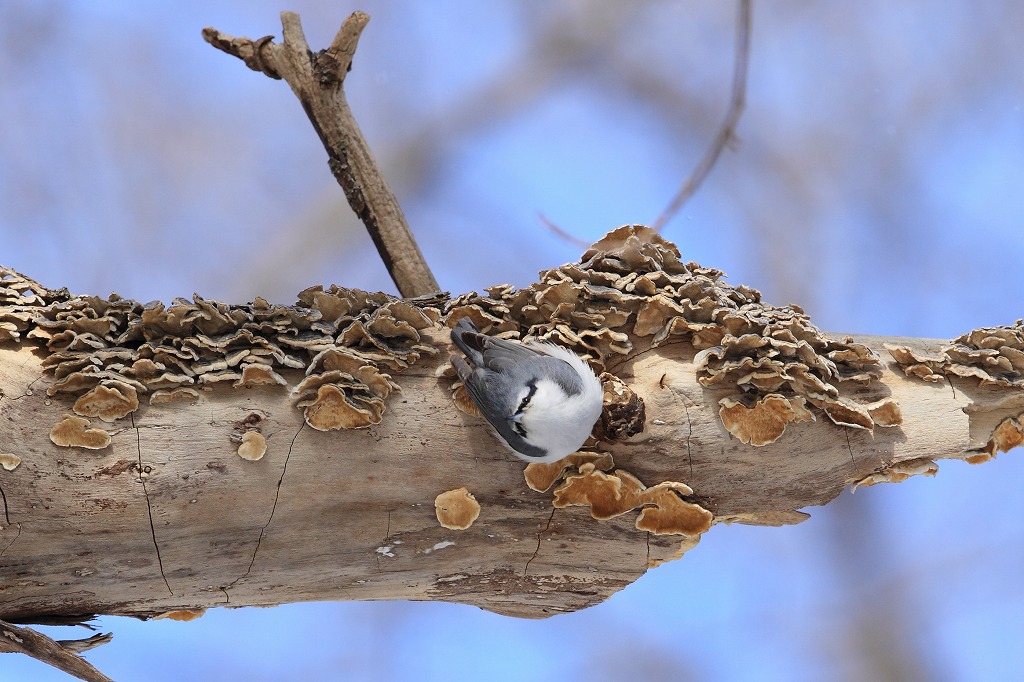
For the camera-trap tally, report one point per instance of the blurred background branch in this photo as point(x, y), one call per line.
point(727, 131)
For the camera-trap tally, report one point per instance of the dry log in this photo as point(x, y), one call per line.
point(742, 411)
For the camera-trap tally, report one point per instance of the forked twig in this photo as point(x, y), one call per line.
point(40, 647)
point(317, 80)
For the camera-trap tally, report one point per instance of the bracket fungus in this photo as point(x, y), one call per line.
point(663, 509)
point(182, 615)
point(74, 432)
point(764, 421)
point(994, 355)
point(632, 285)
point(253, 446)
point(456, 509)
point(108, 352)
point(899, 472)
point(1006, 436)
point(540, 476)
point(8, 461)
point(109, 401)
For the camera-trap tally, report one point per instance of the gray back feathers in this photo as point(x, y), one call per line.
point(497, 374)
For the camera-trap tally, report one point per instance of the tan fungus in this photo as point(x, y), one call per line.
point(109, 401)
point(73, 432)
point(9, 462)
point(253, 446)
point(765, 421)
point(333, 409)
point(541, 476)
point(183, 615)
point(456, 509)
point(1006, 436)
point(609, 495)
point(899, 472)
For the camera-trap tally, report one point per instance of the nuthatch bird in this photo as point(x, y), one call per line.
point(542, 400)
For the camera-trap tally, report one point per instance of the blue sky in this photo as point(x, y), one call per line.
point(878, 181)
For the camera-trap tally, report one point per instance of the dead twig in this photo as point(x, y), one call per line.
point(43, 648)
point(727, 130)
point(567, 236)
point(317, 80)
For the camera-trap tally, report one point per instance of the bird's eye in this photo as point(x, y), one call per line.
point(524, 403)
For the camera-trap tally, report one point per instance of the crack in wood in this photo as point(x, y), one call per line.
point(273, 510)
point(689, 455)
point(149, 506)
point(28, 389)
point(540, 534)
point(15, 539)
point(7, 516)
point(853, 461)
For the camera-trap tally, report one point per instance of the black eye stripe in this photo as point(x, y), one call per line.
point(532, 383)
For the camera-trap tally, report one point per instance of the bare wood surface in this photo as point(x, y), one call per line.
point(169, 517)
point(317, 79)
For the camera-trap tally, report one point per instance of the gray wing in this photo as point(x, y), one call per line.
point(493, 376)
point(503, 356)
point(490, 392)
point(486, 351)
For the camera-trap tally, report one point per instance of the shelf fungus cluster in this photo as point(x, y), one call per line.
point(993, 355)
point(632, 285)
point(109, 352)
point(591, 480)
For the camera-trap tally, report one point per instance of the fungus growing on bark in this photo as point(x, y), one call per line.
point(763, 422)
point(164, 396)
point(109, 401)
point(456, 509)
point(1006, 436)
point(253, 446)
point(73, 432)
point(183, 615)
point(541, 476)
point(994, 355)
point(898, 472)
point(633, 282)
point(332, 408)
point(9, 462)
point(256, 374)
point(663, 512)
point(624, 415)
point(670, 514)
point(607, 495)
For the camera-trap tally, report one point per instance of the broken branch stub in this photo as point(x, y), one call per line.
point(293, 453)
point(317, 79)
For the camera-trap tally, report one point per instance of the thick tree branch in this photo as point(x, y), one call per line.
point(741, 411)
point(317, 79)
